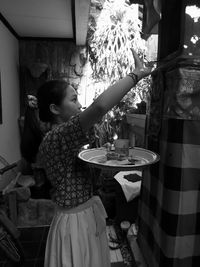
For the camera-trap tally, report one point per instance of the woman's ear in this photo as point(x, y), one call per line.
point(54, 109)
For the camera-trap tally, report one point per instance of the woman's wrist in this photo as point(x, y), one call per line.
point(137, 75)
point(134, 77)
point(140, 74)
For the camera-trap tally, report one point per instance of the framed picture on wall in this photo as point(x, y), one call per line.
point(0, 102)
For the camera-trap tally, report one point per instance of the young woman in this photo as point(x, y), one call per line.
point(77, 236)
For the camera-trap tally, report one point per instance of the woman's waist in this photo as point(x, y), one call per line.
point(94, 200)
point(95, 217)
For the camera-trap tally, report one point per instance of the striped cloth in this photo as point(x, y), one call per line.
point(169, 213)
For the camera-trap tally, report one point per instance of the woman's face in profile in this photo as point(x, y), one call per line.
point(70, 105)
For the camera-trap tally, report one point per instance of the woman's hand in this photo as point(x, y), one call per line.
point(32, 101)
point(140, 70)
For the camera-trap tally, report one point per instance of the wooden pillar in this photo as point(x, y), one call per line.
point(169, 232)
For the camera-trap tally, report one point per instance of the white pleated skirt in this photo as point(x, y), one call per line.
point(77, 237)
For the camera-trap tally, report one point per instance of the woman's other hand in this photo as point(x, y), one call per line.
point(32, 101)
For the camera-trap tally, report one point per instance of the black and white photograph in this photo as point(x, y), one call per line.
point(100, 133)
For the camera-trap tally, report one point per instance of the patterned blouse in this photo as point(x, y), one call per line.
point(69, 176)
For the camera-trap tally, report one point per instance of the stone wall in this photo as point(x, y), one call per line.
point(45, 60)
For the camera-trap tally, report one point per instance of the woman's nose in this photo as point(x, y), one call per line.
point(79, 105)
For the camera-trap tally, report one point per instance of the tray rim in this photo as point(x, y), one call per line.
point(119, 167)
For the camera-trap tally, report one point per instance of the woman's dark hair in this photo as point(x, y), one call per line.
point(51, 92)
point(31, 136)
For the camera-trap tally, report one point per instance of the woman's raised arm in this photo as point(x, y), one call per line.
point(112, 96)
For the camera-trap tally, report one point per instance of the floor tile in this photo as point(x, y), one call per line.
point(117, 251)
point(115, 255)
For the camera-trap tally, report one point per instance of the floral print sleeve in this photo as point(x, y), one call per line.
point(72, 135)
point(68, 138)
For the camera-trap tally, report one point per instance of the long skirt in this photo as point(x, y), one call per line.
point(77, 237)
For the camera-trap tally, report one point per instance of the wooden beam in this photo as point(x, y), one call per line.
point(49, 39)
point(73, 19)
point(82, 8)
point(8, 26)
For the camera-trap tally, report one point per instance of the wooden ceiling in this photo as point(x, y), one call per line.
point(60, 19)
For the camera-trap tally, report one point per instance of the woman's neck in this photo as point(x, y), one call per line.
point(56, 122)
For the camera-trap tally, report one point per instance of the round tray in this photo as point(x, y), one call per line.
point(143, 156)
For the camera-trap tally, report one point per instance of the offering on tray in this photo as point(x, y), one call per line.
point(102, 159)
point(120, 159)
point(133, 160)
point(122, 146)
point(115, 156)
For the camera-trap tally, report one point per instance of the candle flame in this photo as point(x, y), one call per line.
point(115, 136)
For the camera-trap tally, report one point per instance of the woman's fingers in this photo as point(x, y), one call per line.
point(32, 101)
point(141, 70)
point(148, 71)
point(138, 62)
point(142, 73)
point(32, 97)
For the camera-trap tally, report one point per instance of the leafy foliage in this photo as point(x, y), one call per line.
point(111, 38)
point(117, 31)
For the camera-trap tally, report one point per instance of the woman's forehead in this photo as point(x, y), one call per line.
point(71, 91)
